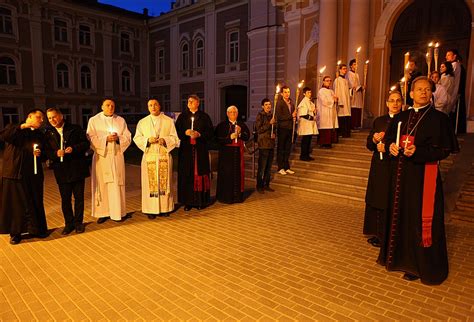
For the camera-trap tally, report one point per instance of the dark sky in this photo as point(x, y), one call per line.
point(154, 6)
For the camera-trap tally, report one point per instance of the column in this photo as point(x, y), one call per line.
point(174, 64)
point(327, 36)
point(358, 33)
point(108, 72)
point(37, 57)
point(210, 91)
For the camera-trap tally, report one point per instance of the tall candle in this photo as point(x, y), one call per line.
point(192, 123)
point(236, 132)
point(436, 55)
point(35, 165)
point(398, 133)
point(62, 147)
point(380, 152)
point(275, 100)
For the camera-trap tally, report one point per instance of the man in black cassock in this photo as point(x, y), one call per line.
point(285, 115)
point(195, 131)
point(416, 242)
point(231, 135)
point(68, 160)
point(21, 198)
point(376, 197)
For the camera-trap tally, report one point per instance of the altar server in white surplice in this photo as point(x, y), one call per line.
point(156, 136)
point(109, 137)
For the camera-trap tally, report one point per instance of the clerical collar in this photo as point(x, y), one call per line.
point(418, 108)
point(391, 115)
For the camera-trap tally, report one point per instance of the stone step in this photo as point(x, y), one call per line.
point(462, 215)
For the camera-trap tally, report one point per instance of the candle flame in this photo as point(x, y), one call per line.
point(393, 88)
point(358, 49)
point(277, 89)
point(407, 53)
point(430, 44)
point(192, 118)
point(322, 70)
point(338, 62)
point(301, 84)
point(427, 54)
point(437, 44)
point(367, 61)
point(402, 80)
point(35, 146)
point(406, 66)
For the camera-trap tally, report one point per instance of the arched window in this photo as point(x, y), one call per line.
point(6, 26)
point(199, 53)
point(7, 71)
point(126, 81)
point(86, 77)
point(185, 56)
point(62, 72)
point(125, 42)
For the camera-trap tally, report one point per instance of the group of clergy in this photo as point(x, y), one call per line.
point(64, 147)
point(404, 213)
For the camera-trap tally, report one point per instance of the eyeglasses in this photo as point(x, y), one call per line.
point(399, 101)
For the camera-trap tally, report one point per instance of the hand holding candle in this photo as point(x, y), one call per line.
point(399, 126)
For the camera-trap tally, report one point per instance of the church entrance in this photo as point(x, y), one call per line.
point(425, 21)
point(234, 95)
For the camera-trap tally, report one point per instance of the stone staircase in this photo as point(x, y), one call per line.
point(340, 172)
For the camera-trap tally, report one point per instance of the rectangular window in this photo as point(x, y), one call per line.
point(86, 115)
point(125, 42)
point(6, 26)
point(234, 47)
point(66, 113)
point(161, 61)
point(9, 115)
point(60, 30)
point(84, 35)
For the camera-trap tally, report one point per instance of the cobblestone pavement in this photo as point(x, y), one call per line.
point(276, 256)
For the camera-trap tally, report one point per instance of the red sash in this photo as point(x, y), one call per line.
point(429, 190)
point(201, 183)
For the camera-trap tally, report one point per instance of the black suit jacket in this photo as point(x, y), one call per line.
point(74, 166)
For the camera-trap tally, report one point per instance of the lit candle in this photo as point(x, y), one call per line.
point(35, 165)
point(275, 99)
point(398, 133)
point(436, 55)
point(394, 87)
point(321, 71)
point(192, 123)
point(337, 68)
point(357, 57)
point(380, 152)
point(300, 84)
point(235, 132)
point(62, 147)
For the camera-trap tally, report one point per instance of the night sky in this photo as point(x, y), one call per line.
point(155, 7)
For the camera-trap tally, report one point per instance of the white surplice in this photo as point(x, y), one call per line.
point(326, 110)
point(108, 165)
point(160, 160)
point(305, 126)
point(355, 89)
point(341, 88)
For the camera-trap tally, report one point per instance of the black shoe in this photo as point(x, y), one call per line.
point(260, 190)
point(410, 277)
point(310, 158)
point(374, 241)
point(269, 189)
point(187, 208)
point(67, 230)
point(80, 228)
point(15, 239)
point(305, 159)
point(200, 207)
point(151, 216)
point(166, 214)
point(102, 220)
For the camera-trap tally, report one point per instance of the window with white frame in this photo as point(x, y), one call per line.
point(87, 113)
point(160, 61)
point(6, 25)
point(62, 75)
point(125, 81)
point(233, 46)
point(199, 53)
point(86, 78)
point(7, 71)
point(60, 30)
point(184, 56)
point(84, 35)
point(125, 42)
point(66, 111)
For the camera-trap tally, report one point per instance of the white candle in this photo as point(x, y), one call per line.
point(236, 132)
point(380, 152)
point(192, 123)
point(398, 133)
point(35, 165)
point(62, 148)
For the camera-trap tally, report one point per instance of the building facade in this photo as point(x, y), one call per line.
point(72, 54)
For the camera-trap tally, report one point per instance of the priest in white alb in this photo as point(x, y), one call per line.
point(341, 89)
point(109, 137)
point(156, 136)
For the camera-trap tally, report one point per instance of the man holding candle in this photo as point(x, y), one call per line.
point(341, 89)
point(66, 147)
point(356, 93)
point(195, 131)
point(231, 135)
point(307, 124)
point(416, 244)
point(156, 136)
point(21, 197)
point(326, 107)
point(266, 145)
point(376, 197)
point(411, 73)
point(284, 115)
point(109, 137)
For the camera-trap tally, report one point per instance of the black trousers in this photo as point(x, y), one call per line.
point(265, 160)
point(305, 146)
point(284, 148)
point(66, 190)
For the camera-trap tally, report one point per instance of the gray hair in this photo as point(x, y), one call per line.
point(232, 107)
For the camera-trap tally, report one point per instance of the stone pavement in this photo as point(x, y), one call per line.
point(277, 256)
